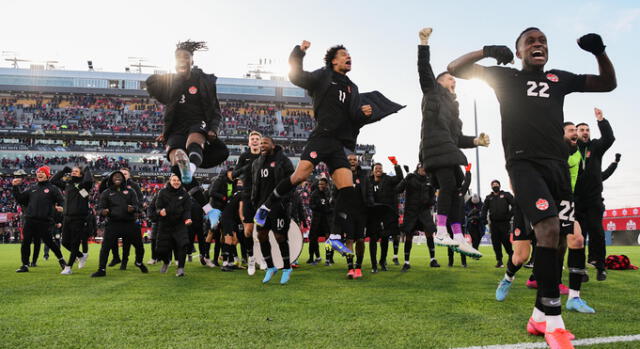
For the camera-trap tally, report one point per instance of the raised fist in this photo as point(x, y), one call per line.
point(598, 113)
point(424, 35)
point(16, 181)
point(163, 212)
point(366, 110)
point(304, 46)
point(482, 140)
point(592, 43)
point(502, 54)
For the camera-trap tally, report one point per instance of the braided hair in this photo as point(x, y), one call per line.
point(192, 46)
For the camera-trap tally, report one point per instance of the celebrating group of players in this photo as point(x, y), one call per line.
point(542, 173)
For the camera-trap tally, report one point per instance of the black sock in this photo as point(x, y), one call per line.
point(384, 248)
point(194, 151)
point(546, 270)
point(248, 243)
point(407, 247)
point(396, 245)
point(225, 253)
point(284, 251)
point(359, 254)
point(265, 248)
point(432, 246)
point(576, 262)
point(350, 262)
point(512, 269)
point(373, 250)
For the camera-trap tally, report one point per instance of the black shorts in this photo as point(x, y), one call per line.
point(248, 211)
point(414, 221)
point(359, 222)
point(178, 137)
point(230, 226)
point(279, 219)
point(521, 227)
point(543, 189)
point(327, 150)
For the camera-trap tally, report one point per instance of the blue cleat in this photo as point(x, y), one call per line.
point(214, 218)
point(269, 274)
point(579, 305)
point(286, 274)
point(186, 172)
point(261, 216)
point(503, 289)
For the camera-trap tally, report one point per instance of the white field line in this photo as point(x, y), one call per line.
point(586, 341)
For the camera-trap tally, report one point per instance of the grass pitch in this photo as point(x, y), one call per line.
point(319, 308)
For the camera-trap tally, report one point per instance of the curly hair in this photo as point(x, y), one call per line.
point(192, 46)
point(331, 54)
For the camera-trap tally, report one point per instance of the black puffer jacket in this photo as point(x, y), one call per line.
point(76, 192)
point(420, 194)
point(176, 203)
point(441, 134)
point(40, 199)
point(589, 185)
point(117, 201)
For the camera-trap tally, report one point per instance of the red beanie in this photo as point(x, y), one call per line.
point(44, 169)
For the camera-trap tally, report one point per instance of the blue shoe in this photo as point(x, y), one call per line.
point(182, 160)
point(261, 216)
point(286, 274)
point(579, 305)
point(269, 274)
point(503, 289)
point(214, 218)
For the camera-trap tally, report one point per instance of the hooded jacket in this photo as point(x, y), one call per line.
point(117, 200)
point(39, 199)
point(220, 191)
point(177, 204)
point(589, 185)
point(441, 134)
point(76, 193)
point(167, 89)
point(283, 168)
point(420, 194)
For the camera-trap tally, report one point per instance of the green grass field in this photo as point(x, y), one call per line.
point(320, 308)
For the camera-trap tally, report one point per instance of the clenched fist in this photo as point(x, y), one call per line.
point(424, 35)
point(482, 140)
point(304, 46)
point(16, 181)
point(366, 110)
point(163, 212)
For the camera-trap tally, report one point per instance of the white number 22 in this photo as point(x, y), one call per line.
point(542, 89)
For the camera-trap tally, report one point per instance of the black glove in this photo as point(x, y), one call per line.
point(618, 156)
point(502, 54)
point(592, 43)
point(406, 168)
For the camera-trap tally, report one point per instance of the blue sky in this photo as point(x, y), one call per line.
point(382, 39)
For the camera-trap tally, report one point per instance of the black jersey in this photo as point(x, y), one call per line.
point(531, 107)
point(333, 118)
point(189, 109)
point(378, 195)
point(267, 178)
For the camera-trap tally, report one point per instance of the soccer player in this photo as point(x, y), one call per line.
point(420, 196)
point(231, 223)
point(243, 170)
point(441, 140)
point(385, 198)
point(340, 112)
point(531, 102)
point(192, 114)
point(271, 168)
point(119, 204)
point(76, 202)
point(220, 191)
point(173, 206)
point(363, 201)
point(589, 208)
point(40, 201)
point(475, 226)
point(320, 204)
point(498, 206)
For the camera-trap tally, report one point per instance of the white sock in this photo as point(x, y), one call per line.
point(538, 315)
point(395, 256)
point(406, 262)
point(433, 259)
point(441, 231)
point(554, 322)
point(508, 278)
point(574, 294)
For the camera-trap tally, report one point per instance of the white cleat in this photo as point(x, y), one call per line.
point(466, 249)
point(263, 265)
point(83, 261)
point(209, 263)
point(251, 266)
point(152, 262)
point(66, 271)
point(442, 238)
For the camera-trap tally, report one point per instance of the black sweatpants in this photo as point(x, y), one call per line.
point(197, 230)
point(500, 238)
point(173, 239)
point(475, 230)
point(448, 180)
point(590, 218)
point(74, 231)
point(36, 230)
point(130, 234)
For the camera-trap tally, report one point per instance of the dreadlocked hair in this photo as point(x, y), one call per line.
point(192, 46)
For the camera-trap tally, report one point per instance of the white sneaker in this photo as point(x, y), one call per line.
point(466, 249)
point(152, 261)
point(164, 268)
point(251, 266)
point(83, 261)
point(263, 265)
point(209, 263)
point(442, 238)
point(66, 271)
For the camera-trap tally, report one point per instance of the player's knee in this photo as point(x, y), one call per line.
point(575, 241)
point(547, 232)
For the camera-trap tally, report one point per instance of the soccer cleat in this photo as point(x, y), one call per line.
point(286, 275)
point(405, 267)
point(327, 263)
point(46, 257)
point(579, 305)
point(164, 268)
point(499, 265)
point(115, 262)
point(532, 283)
point(464, 247)
point(351, 274)
point(209, 263)
point(213, 217)
point(263, 265)
point(142, 268)
point(338, 246)
point(374, 270)
point(152, 261)
point(269, 274)
point(123, 265)
point(396, 261)
point(189, 258)
point(251, 267)
point(441, 238)
point(33, 264)
point(585, 278)
point(601, 275)
point(564, 290)
point(357, 274)
point(99, 273)
point(83, 261)
point(226, 268)
point(383, 266)
point(536, 328)
point(310, 261)
point(182, 160)
point(261, 216)
point(22, 269)
point(503, 289)
point(180, 272)
point(434, 264)
point(62, 263)
point(559, 339)
point(66, 271)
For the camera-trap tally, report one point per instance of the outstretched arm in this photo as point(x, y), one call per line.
point(425, 72)
point(465, 67)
